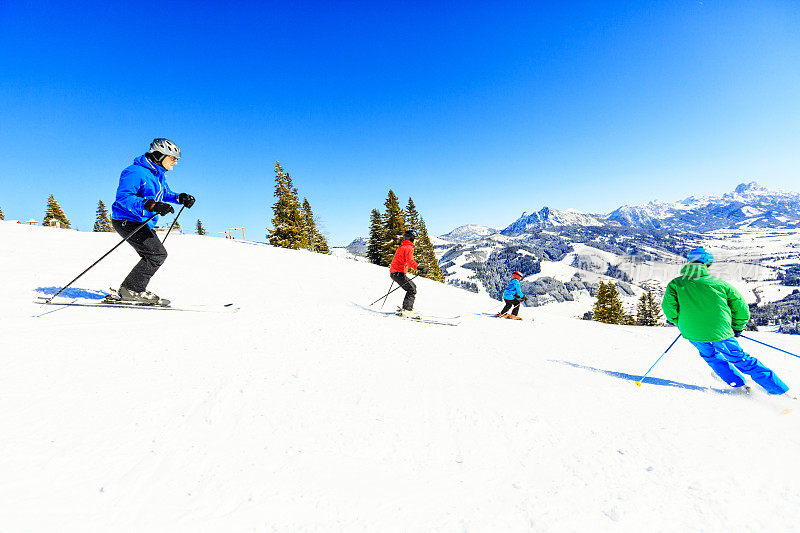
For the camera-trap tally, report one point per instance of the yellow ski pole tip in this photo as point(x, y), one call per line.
point(638, 384)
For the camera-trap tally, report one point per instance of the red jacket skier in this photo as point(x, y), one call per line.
point(404, 258)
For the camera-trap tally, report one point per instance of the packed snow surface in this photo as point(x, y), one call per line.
point(303, 411)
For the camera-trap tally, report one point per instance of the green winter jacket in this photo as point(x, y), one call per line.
point(705, 308)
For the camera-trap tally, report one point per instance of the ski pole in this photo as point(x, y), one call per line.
point(173, 223)
point(143, 224)
point(391, 291)
point(492, 311)
point(770, 346)
point(639, 383)
point(387, 294)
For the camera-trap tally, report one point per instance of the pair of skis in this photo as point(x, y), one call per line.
point(110, 302)
point(425, 319)
point(428, 319)
point(507, 317)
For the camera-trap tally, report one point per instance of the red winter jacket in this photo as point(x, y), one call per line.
point(403, 258)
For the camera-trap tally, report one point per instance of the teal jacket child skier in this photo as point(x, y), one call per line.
point(513, 296)
point(710, 313)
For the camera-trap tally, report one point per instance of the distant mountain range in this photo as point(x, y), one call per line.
point(592, 247)
point(749, 205)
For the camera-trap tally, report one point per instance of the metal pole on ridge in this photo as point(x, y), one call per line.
point(639, 383)
point(140, 226)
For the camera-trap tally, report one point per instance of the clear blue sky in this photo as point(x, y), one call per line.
point(478, 110)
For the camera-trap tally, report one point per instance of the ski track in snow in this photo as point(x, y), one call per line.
point(302, 412)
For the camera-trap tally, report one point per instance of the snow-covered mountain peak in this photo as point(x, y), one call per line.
point(752, 186)
point(548, 217)
point(468, 233)
point(748, 204)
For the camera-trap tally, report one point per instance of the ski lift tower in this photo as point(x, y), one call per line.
point(229, 233)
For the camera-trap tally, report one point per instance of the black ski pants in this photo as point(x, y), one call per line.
point(411, 289)
point(149, 248)
point(509, 304)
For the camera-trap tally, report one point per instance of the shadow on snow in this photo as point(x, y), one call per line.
point(73, 292)
point(647, 380)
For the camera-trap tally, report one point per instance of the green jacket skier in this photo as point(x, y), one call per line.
point(710, 309)
point(710, 313)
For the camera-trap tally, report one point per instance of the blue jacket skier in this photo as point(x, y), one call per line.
point(710, 313)
point(513, 296)
point(143, 193)
point(144, 180)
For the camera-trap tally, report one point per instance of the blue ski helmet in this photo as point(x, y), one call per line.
point(700, 254)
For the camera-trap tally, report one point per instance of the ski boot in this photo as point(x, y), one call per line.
point(743, 390)
point(140, 298)
point(407, 313)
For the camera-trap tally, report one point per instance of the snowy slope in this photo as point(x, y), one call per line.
point(304, 412)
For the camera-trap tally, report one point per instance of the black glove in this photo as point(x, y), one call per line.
point(736, 333)
point(186, 199)
point(158, 207)
point(422, 270)
point(524, 299)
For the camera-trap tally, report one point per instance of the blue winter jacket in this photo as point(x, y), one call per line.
point(512, 290)
point(138, 183)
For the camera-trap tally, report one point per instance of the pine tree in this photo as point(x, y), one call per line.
point(424, 252)
point(199, 229)
point(600, 312)
point(313, 239)
point(608, 306)
point(376, 239)
point(412, 216)
point(295, 212)
point(643, 317)
point(102, 222)
point(394, 225)
point(320, 242)
point(616, 310)
point(427, 254)
point(2, 216)
point(627, 319)
point(655, 308)
point(54, 212)
point(287, 223)
point(309, 227)
point(648, 311)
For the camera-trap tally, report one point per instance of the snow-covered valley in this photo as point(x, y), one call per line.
point(304, 412)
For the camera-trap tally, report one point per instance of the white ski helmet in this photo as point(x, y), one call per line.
point(166, 147)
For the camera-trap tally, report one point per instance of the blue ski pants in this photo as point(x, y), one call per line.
point(726, 358)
